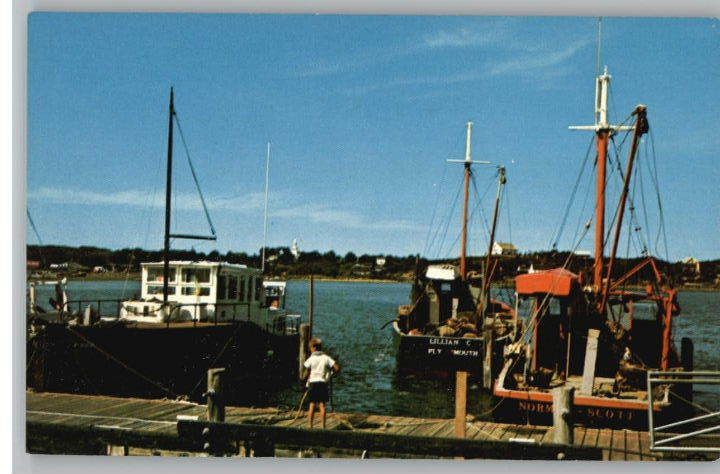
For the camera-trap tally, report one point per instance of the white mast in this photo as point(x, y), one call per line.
point(265, 224)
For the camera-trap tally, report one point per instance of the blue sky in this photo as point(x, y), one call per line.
point(362, 112)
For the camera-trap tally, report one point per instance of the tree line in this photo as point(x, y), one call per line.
point(282, 263)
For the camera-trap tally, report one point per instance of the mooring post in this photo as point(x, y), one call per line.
point(563, 424)
point(304, 348)
point(588, 379)
point(215, 401)
point(460, 403)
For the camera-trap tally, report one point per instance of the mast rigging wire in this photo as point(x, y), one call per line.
point(194, 174)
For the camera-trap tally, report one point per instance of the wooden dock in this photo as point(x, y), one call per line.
point(140, 426)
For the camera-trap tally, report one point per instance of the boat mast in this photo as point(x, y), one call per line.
point(468, 172)
point(486, 277)
point(168, 199)
point(265, 224)
point(641, 127)
point(603, 131)
point(467, 163)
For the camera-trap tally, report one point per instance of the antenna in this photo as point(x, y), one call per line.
point(267, 181)
point(599, 46)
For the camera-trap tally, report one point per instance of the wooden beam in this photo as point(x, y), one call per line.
point(460, 403)
point(590, 358)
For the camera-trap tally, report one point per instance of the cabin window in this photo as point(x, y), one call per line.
point(156, 274)
point(232, 287)
point(196, 290)
point(158, 289)
point(445, 287)
point(258, 288)
point(200, 275)
point(241, 296)
point(554, 307)
point(222, 287)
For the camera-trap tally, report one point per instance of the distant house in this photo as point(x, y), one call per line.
point(361, 270)
point(690, 269)
point(582, 253)
point(59, 266)
point(504, 249)
point(380, 262)
point(33, 264)
point(99, 269)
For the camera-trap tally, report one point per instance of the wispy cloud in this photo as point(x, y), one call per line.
point(246, 203)
point(528, 63)
point(141, 198)
point(467, 37)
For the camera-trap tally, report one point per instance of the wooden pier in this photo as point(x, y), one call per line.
point(110, 425)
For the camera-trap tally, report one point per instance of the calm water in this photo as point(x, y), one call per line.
point(349, 317)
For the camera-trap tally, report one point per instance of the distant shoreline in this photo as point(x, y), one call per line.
point(122, 276)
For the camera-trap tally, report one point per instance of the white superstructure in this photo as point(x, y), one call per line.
point(203, 291)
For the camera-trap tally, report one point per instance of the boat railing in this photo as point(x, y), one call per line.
point(116, 304)
point(661, 439)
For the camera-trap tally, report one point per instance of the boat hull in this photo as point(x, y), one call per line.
point(160, 361)
point(437, 357)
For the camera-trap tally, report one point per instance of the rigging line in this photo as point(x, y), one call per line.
point(656, 183)
point(121, 363)
point(642, 196)
point(194, 175)
point(447, 223)
point(434, 212)
point(506, 205)
point(554, 242)
point(472, 213)
point(32, 224)
point(438, 229)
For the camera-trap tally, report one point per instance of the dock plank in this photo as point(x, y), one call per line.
point(160, 416)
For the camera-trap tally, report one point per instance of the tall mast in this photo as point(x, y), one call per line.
point(486, 278)
point(168, 199)
point(468, 172)
point(265, 224)
point(467, 163)
point(603, 130)
point(641, 127)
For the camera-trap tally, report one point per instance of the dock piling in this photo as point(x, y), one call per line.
point(460, 403)
point(215, 401)
point(563, 401)
point(304, 347)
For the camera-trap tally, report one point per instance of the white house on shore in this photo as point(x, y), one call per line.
point(504, 249)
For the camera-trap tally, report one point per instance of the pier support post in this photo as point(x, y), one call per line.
point(304, 348)
point(460, 403)
point(563, 423)
point(215, 401)
point(588, 379)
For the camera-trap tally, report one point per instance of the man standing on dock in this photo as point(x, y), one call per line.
point(321, 367)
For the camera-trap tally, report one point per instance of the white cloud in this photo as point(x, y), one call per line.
point(245, 203)
point(465, 37)
point(530, 63)
point(142, 198)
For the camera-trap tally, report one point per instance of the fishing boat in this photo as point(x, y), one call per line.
point(595, 335)
point(452, 322)
point(190, 316)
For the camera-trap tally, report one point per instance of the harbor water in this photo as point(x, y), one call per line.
point(349, 317)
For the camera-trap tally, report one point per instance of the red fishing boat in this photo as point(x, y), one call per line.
point(598, 336)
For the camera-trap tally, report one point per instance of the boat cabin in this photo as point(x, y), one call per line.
point(198, 291)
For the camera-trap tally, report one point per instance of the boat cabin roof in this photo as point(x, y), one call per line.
point(556, 282)
point(443, 272)
point(196, 264)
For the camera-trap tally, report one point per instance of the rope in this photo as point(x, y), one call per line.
point(121, 363)
point(194, 175)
